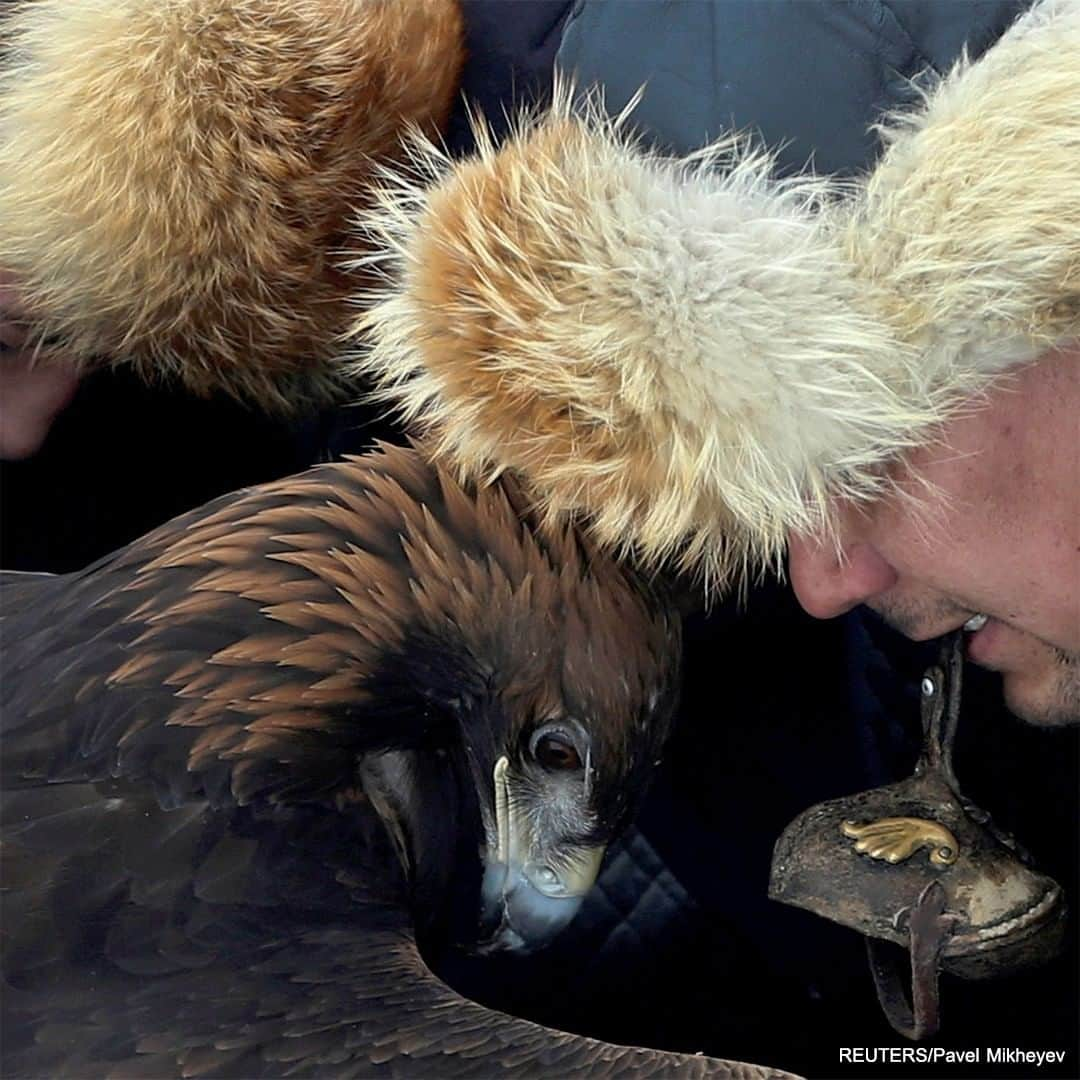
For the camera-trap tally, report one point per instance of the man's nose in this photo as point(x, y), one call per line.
point(828, 581)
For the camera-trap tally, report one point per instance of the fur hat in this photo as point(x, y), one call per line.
point(695, 357)
point(176, 176)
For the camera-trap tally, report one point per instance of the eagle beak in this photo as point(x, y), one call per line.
point(528, 898)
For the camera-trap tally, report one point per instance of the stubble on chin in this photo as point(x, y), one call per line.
point(1055, 701)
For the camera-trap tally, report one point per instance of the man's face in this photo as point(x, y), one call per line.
point(999, 535)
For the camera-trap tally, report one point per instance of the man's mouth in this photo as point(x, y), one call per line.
point(980, 634)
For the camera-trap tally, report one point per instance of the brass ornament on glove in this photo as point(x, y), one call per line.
point(898, 838)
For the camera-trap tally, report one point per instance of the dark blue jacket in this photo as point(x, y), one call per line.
point(809, 76)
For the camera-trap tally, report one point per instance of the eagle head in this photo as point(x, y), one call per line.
point(548, 675)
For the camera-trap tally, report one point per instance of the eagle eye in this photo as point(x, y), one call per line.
point(555, 751)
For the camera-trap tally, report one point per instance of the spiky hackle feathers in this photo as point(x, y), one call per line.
point(695, 357)
point(176, 175)
point(252, 648)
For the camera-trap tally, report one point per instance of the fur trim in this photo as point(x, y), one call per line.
point(697, 358)
point(673, 349)
point(176, 175)
point(968, 231)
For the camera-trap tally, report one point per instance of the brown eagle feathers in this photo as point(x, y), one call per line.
point(271, 636)
point(249, 758)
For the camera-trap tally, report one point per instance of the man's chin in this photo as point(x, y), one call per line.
point(1040, 683)
point(1052, 700)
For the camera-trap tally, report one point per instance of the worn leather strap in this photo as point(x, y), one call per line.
point(929, 926)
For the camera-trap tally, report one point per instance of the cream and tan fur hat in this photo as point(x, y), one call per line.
point(177, 176)
point(695, 358)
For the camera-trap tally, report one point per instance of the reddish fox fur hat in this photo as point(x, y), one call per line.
point(696, 358)
point(176, 175)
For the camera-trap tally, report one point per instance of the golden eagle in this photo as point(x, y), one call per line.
point(251, 758)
